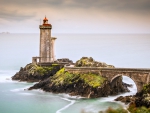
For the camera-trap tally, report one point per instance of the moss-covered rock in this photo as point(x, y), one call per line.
point(62, 77)
point(134, 109)
point(139, 103)
point(143, 97)
point(35, 73)
point(90, 62)
point(87, 85)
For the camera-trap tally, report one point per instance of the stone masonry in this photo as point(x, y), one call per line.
point(46, 44)
point(138, 75)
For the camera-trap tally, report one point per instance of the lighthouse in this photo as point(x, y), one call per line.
point(46, 49)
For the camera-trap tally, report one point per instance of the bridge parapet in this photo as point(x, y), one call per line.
point(70, 69)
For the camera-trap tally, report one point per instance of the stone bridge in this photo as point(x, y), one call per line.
point(140, 76)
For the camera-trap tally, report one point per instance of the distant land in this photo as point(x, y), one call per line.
point(5, 33)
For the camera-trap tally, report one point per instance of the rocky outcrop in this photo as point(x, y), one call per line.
point(143, 97)
point(55, 79)
point(86, 85)
point(90, 62)
point(139, 102)
point(35, 73)
point(126, 99)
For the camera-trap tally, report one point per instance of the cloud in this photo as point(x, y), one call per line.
point(15, 15)
point(17, 9)
point(81, 14)
point(135, 5)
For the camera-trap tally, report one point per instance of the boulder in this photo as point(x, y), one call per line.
point(90, 62)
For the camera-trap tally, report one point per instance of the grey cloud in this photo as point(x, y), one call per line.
point(135, 6)
point(14, 15)
point(31, 3)
point(110, 4)
point(117, 5)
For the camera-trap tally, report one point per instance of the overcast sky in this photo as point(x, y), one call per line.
point(76, 16)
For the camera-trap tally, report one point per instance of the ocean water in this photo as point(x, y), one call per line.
point(16, 50)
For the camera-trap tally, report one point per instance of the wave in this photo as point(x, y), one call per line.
point(65, 107)
point(64, 95)
point(28, 94)
point(20, 89)
point(5, 75)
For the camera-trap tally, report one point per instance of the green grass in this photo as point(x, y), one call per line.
point(62, 77)
point(92, 79)
point(43, 70)
point(39, 69)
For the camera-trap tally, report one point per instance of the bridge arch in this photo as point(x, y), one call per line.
point(140, 76)
point(127, 75)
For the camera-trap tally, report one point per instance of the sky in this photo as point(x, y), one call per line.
point(76, 16)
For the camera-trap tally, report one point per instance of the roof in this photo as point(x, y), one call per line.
point(45, 19)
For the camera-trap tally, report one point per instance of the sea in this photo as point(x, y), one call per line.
point(17, 50)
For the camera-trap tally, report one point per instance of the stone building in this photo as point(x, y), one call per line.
point(46, 44)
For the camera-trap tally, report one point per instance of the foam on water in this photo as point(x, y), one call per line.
point(5, 76)
point(65, 107)
point(70, 97)
point(20, 89)
point(28, 94)
point(132, 89)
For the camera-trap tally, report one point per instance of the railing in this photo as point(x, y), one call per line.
point(67, 68)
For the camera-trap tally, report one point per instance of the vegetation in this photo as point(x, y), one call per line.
point(146, 88)
point(133, 109)
point(90, 62)
point(111, 110)
point(39, 69)
point(63, 77)
point(55, 64)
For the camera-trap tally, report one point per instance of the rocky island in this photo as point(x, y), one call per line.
point(55, 79)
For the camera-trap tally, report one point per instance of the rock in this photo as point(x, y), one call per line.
point(90, 62)
point(85, 85)
point(57, 80)
point(126, 99)
point(35, 73)
point(139, 100)
point(64, 60)
point(127, 85)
